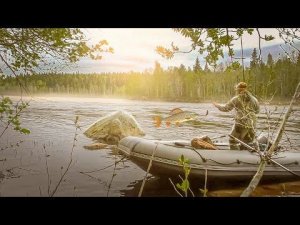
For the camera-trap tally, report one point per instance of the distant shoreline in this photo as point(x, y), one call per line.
point(142, 98)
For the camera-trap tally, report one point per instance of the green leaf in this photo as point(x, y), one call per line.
point(269, 37)
point(179, 186)
point(187, 171)
point(185, 185)
point(25, 131)
point(181, 160)
point(186, 160)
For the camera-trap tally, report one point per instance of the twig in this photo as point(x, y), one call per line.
point(228, 46)
point(148, 169)
point(265, 157)
point(47, 169)
point(293, 46)
point(283, 167)
point(288, 139)
point(285, 52)
point(285, 118)
point(259, 45)
point(189, 187)
point(105, 166)
point(175, 187)
point(243, 58)
point(277, 122)
point(71, 160)
point(205, 184)
point(257, 177)
point(16, 76)
point(17, 113)
point(95, 178)
point(112, 177)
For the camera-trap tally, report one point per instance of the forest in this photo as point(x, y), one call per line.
point(267, 80)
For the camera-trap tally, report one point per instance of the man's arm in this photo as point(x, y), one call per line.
point(225, 108)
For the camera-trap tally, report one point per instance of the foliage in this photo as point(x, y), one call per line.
point(172, 84)
point(185, 184)
point(26, 49)
point(10, 115)
point(212, 41)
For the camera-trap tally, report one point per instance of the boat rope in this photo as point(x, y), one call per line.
point(205, 160)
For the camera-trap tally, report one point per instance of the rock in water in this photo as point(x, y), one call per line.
point(114, 126)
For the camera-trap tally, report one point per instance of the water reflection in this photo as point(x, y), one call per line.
point(161, 187)
point(154, 187)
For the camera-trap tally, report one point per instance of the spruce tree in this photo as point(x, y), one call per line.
point(254, 59)
point(197, 67)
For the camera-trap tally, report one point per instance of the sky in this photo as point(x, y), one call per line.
point(134, 48)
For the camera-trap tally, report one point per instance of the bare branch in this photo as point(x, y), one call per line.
point(259, 44)
point(288, 55)
point(71, 160)
point(189, 187)
point(257, 177)
point(175, 187)
point(148, 169)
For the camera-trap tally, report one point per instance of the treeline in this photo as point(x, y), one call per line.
point(272, 78)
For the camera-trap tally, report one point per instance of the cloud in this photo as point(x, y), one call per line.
point(135, 48)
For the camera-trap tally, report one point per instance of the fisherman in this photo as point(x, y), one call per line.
point(246, 106)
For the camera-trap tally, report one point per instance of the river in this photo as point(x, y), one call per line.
point(31, 165)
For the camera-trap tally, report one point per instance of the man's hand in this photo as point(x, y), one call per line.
point(215, 104)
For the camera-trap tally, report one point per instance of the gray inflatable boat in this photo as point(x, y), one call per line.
point(225, 163)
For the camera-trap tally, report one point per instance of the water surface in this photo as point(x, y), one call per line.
point(25, 160)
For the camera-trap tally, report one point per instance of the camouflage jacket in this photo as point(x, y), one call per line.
point(246, 106)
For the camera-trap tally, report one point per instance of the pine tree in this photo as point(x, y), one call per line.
point(254, 59)
point(182, 69)
point(197, 66)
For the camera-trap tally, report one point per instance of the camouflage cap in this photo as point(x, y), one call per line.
point(241, 86)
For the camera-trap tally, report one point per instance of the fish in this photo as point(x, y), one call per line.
point(176, 117)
